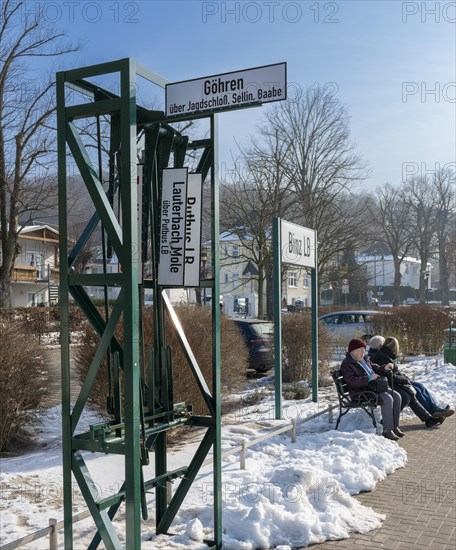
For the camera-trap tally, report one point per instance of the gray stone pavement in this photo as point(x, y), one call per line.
point(419, 501)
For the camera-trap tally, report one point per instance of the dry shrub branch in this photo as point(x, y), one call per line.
point(297, 349)
point(196, 322)
point(23, 382)
point(419, 329)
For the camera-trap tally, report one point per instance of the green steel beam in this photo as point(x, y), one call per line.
point(93, 315)
point(94, 70)
point(64, 316)
point(111, 514)
point(84, 110)
point(128, 192)
point(90, 494)
point(277, 278)
point(83, 239)
point(204, 164)
point(187, 481)
point(216, 371)
point(96, 190)
point(95, 279)
point(97, 361)
point(314, 283)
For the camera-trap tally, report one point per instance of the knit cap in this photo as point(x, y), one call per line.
point(355, 344)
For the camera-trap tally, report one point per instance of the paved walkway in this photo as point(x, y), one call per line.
point(419, 501)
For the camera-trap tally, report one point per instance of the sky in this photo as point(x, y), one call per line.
point(303, 492)
point(392, 63)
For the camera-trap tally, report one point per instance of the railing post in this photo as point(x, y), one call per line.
point(293, 430)
point(242, 456)
point(331, 414)
point(53, 537)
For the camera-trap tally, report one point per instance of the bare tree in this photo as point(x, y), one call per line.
point(26, 140)
point(423, 203)
point(259, 193)
point(322, 167)
point(392, 214)
point(443, 186)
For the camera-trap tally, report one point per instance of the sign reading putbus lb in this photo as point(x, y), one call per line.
point(227, 91)
point(298, 245)
point(171, 267)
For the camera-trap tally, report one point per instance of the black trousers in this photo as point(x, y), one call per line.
point(411, 401)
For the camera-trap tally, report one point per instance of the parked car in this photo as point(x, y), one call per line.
point(258, 336)
point(345, 325)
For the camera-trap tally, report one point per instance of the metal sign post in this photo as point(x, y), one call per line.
point(277, 281)
point(293, 245)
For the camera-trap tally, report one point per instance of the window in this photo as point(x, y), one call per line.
point(306, 280)
point(35, 298)
point(37, 260)
point(226, 278)
point(293, 279)
point(235, 250)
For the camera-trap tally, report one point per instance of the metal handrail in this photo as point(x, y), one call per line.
point(55, 526)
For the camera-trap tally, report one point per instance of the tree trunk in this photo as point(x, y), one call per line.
point(5, 288)
point(423, 284)
point(261, 292)
point(397, 283)
point(443, 267)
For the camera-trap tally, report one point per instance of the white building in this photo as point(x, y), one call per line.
point(239, 275)
point(380, 271)
point(35, 275)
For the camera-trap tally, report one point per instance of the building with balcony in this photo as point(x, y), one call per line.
point(239, 275)
point(35, 274)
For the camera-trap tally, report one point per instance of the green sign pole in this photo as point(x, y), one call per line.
point(277, 281)
point(314, 282)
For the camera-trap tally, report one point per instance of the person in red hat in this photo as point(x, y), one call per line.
point(358, 371)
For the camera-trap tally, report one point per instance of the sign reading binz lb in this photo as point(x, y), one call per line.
point(298, 245)
point(227, 91)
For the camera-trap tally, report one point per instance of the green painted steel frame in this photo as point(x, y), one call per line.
point(123, 238)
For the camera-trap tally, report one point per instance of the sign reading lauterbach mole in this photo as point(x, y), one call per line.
point(298, 244)
point(227, 91)
point(171, 267)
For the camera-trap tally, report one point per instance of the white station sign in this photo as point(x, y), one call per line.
point(180, 228)
point(193, 230)
point(171, 267)
point(227, 91)
point(298, 245)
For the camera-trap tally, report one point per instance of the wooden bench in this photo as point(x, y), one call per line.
point(366, 400)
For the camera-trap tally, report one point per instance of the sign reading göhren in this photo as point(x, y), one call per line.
point(298, 244)
point(227, 91)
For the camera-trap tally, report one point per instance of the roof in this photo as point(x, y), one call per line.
point(32, 228)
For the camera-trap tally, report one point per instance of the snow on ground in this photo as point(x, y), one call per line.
point(289, 495)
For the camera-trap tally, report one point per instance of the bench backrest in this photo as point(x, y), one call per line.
point(341, 385)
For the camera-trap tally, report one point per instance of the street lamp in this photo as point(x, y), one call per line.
point(427, 278)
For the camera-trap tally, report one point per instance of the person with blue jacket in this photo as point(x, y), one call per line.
point(423, 395)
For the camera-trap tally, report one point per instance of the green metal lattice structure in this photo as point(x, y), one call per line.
point(141, 404)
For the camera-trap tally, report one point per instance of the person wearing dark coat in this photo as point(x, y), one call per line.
point(358, 371)
point(423, 395)
point(387, 354)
